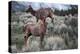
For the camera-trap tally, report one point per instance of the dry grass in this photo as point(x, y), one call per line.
point(51, 41)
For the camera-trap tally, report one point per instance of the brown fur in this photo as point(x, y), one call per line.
point(39, 28)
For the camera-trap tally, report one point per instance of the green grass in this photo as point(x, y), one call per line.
point(18, 40)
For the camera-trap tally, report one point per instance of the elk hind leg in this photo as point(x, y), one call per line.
point(41, 41)
point(26, 38)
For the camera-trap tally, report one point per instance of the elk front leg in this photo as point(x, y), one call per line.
point(41, 41)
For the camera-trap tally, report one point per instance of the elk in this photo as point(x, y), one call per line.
point(38, 29)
